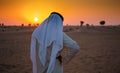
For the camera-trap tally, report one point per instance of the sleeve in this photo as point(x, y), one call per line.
point(33, 54)
point(69, 43)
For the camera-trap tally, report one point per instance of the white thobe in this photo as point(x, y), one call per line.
point(67, 42)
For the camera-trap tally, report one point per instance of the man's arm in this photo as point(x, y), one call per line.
point(69, 43)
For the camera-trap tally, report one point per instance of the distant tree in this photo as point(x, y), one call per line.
point(81, 23)
point(3, 27)
point(22, 25)
point(102, 22)
point(29, 25)
point(87, 25)
point(2, 24)
point(37, 24)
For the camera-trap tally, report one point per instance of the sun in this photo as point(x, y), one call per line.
point(36, 19)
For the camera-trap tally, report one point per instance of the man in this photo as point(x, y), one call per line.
point(47, 42)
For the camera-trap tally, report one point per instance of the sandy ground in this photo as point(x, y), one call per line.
point(99, 53)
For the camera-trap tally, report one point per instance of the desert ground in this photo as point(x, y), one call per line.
point(99, 49)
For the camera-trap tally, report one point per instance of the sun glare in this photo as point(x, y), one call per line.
point(35, 19)
point(31, 15)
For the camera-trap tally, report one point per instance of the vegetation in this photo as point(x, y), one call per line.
point(81, 23)
point(102, 22)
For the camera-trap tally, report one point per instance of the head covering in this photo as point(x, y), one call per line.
point(50, 32)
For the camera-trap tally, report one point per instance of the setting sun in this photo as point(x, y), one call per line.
point(36, 19)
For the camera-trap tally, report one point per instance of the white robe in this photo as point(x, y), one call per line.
point(58, 68)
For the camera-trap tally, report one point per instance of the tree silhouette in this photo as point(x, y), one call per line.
point(22, 25)
point(81, 23)
point(87, 25)
point(102, 22)
point(2, 24)
point(29, 25)
point(37, 24)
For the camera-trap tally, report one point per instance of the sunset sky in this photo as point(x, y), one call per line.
point(16, 12)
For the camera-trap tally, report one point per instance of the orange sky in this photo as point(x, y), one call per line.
point(16, 12)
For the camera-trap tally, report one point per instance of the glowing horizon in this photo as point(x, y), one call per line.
point(16, 12)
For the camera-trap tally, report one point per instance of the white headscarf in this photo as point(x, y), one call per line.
point(49, 32)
